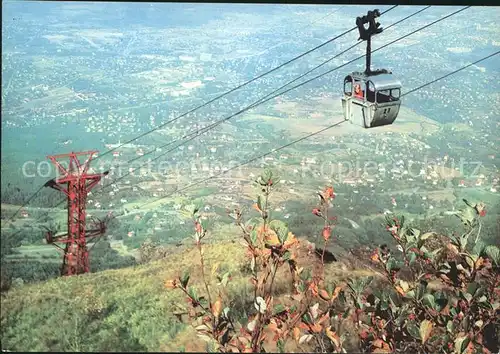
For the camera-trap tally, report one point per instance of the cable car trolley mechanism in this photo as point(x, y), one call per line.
point(371, 98)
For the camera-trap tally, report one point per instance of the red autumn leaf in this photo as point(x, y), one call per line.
point(316, 212)
point(273, 326)
point(314, 289)
point(291, 240)
point(302, 325)
point(382, 347)
point(316, 328)
point(272, 239)
point(327, 232)
point(400, 290)
point(324, 318)
point(324, 295)
point(333, 337)
point(329, 193)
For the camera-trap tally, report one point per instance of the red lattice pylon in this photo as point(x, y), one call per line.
point(75, 182)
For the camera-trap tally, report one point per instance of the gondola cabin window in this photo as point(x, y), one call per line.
point(359, 89)
point(385, 96)
point(354, 88)
point(348, 89)
point(370, 93)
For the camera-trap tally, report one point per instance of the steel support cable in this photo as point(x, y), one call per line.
point(237, 87)
point(296, 86)
point(247, 162)
point(308, 25)
point(274, 95)
point(324, 129)
point(185, 136)
point(45, 214)
point(11, 219)
point(255, 104)
point(240, 86)
point(26, 202)
point(195, 134)
point(215, 99)
point(327, 15)
point(337, 55)
point(20, 230)
point(317, 132)
point(450, 73)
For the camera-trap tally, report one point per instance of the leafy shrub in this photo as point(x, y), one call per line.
point(458, 316)
point(270, 247)
point(439, 294)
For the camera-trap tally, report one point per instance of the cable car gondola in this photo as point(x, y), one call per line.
point(371, 98)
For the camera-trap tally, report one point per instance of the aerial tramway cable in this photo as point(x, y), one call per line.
point(450, 73)
point(211, 101)
point(27, 202)
point(238, 87)
point(309, 135)
point(253, 105)
point(271, 96)
point(322, 130)
point(261, 101)
point(339, 54)
point(312, 134)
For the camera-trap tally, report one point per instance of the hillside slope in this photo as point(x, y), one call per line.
point(122, 310)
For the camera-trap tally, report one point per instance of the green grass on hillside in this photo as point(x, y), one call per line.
point(117, 310)
point(114, 310)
